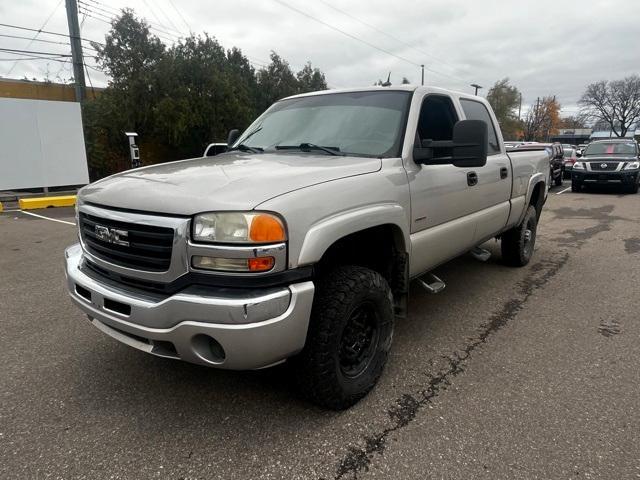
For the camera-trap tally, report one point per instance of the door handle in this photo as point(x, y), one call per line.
point(472, 179)
point(504, 172)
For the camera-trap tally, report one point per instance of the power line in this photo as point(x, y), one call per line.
point(90, 82)
point(180, 15)
point(373, 27)
point(35, 40)
point(38, 31)
point(354, 37)
point(113, 12)
point(16, 51)
point(153, 12)
point(106, 19)
point(66, 35)
point(175, 29)
point(95, 18)
point(34, 57)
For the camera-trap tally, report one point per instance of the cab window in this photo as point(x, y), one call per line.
point(477, 111)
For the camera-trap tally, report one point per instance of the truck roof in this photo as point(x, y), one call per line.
point(398, 88)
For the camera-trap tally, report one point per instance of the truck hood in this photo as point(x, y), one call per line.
point(232, 181)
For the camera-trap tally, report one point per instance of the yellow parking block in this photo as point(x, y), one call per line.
point(46, 202)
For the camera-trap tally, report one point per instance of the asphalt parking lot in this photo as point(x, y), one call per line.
point(509, 373)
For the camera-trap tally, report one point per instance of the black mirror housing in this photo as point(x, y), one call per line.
point(470, 143)
point(232, 137)
point(467, 149)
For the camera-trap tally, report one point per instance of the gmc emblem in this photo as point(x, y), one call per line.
point(112, 235)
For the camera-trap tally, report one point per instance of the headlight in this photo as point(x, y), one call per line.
point(578, 166)
point(632, 166)
point(238, 227)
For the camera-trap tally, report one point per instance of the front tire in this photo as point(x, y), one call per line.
point(349, 337)
point(518, 243)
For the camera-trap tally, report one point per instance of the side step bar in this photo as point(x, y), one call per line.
point(431, 283)
point(481, 254)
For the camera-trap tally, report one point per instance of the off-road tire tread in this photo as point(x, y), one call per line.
point(512, 244)
point(314, 367)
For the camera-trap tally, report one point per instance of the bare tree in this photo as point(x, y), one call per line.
point(542, 119)
point(617, 103)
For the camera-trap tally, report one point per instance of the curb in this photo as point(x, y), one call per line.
point(46, 202)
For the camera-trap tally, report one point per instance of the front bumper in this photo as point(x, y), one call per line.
point(624, 177)
point(215, 327)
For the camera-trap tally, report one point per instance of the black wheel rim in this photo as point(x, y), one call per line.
point(359, 340)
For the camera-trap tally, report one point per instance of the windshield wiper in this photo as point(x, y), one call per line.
point(307, 147)
point(246, 148)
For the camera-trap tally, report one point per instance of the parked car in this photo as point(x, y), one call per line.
point(615, 161)
point(301, 240)
point(581, 148)
point(569, 157)
point(555, 155)
point(214, 149)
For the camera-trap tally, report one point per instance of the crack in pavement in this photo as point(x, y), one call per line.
point(407, 406)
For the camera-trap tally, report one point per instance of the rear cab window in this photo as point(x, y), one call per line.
point(474, 110)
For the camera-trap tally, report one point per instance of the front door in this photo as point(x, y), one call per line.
point(441, 208)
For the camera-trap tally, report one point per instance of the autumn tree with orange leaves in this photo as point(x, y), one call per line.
point(542, 120)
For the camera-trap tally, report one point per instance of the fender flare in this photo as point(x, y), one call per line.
point(533, 182)
point(327, 231)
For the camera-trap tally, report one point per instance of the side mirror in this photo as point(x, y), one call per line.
point(470, 143)
point(467, 149)
point(578, 153)
point(232, 137)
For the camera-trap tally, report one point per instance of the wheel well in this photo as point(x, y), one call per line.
point(379, 248)
point(537, 197)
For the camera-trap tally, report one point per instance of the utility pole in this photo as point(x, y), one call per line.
point(76, 49)
point(477, 87)
point(422, 74)
point(520, 106)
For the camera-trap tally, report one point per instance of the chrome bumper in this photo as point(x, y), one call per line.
point(219, 328)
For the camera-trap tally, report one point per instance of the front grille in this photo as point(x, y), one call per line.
point(608, 166)
point(149, 246)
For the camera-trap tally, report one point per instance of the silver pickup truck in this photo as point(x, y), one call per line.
point(301, 240)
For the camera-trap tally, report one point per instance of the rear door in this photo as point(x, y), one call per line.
point(492, 193)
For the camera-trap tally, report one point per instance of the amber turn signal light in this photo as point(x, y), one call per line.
point(266, 228)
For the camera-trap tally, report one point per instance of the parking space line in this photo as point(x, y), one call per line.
point(47, 218)
point(562, 191)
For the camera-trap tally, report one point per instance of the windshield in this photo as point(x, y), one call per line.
point(567, 152)
point(356, 123)
point(627, 148)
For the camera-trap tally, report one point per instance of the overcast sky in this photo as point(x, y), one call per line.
point(546, 47)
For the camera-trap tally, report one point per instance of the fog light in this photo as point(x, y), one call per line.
point(261, 264)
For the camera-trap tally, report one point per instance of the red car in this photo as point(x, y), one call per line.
point(569, 157)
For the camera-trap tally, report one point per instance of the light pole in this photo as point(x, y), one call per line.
point(422, 74)
point(477, 87)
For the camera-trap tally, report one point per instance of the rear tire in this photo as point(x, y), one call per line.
point(518, 243)
point(558, 180)
point(349, 337)
point(575, 186)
